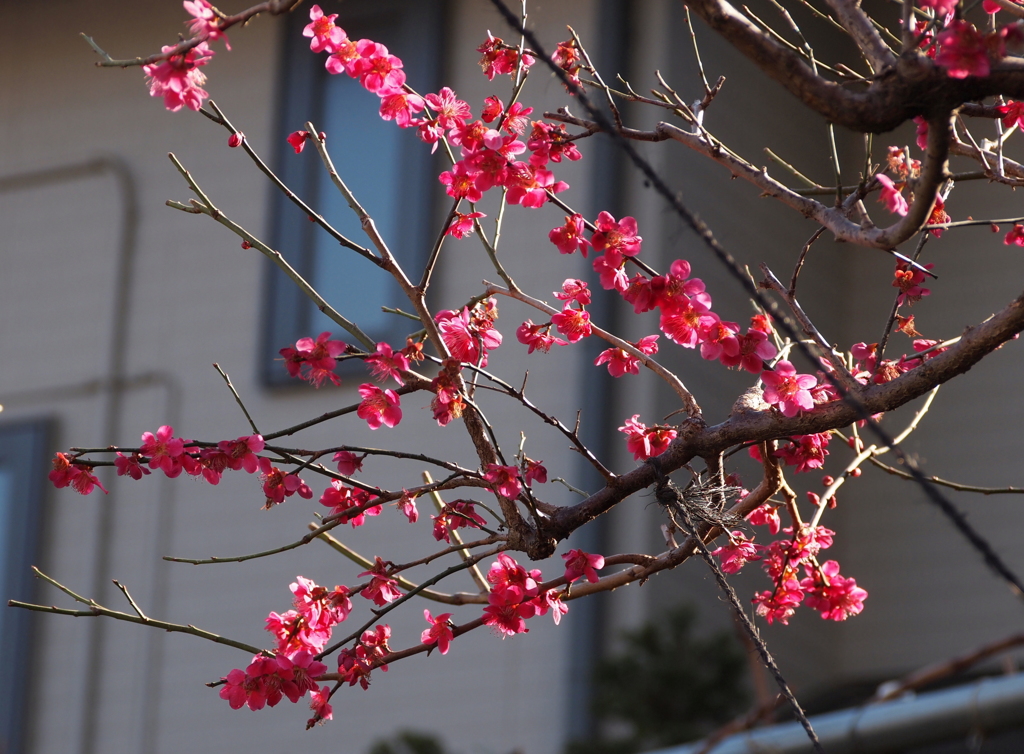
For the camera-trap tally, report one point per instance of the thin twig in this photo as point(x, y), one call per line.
point(96, 610)
point(689, 402)
point(206, 207)
point(952, 485)
point(218, 116)
point(464, 553)
point(273, 7)
point(238, 399)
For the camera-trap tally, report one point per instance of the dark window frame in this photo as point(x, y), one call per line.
point(24, 445)
point(414, 31)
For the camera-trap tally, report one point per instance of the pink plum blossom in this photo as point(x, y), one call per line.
point(322, 31)
point(574, 290)
point(382, 589)
point(440, 631)
point(621, 236)
point(788, 390)
point(644, 442)
point(962, 51)
point(386, 362)
point(579, 564)
point(457, 514)
point(462, 224)
point(569, 237)
point(205, 23)
point(499, 59)
point(348, 463)
point(537, 337)
point(178, 78)
point(130, 466)
point(574, 324)
point(399, 106)
point(379, 406)
point(890, 195)
point(378, 70)
point(737, 553)
point(349, 504)
point(832, 595)
point(504, 479)
point(451, 112)
point(164, 450)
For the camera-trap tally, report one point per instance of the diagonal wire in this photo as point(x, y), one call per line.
point(669, 496)
point(956, 517)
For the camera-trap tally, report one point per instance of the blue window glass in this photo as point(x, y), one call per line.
point(391, 172)
point(23, 467)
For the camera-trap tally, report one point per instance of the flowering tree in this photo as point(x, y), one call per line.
point(935, 67)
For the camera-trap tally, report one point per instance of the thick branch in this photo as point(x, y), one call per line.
point(914, 86)
point(858, 25)
point(753, 426)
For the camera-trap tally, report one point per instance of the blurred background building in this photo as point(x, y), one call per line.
point(114, 306)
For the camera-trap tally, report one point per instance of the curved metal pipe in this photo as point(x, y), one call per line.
point(991, 705)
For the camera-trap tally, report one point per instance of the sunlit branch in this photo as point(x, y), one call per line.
point(206, 207)
point(273, 7)
point(94, 610)
point(220, 118)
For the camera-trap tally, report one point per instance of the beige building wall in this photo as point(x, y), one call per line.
point(197, 299)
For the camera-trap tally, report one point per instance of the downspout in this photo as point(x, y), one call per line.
point(115, 385)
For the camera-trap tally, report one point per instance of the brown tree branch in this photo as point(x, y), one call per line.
point(273, 7)
point(754, 426)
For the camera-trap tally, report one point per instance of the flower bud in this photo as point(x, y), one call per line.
point(236, 139)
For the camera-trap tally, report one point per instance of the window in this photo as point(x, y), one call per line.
point(389, 170)
point(23, 466)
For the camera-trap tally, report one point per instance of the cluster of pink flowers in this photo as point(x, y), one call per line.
point(646, 442)
point(684, 304)
point(77, 476)
point(806, 452)
point(309, 625)
point(909, 280)
point(833, 596)
point(458, 514)
point(964, 51)
point(354, 665)
point(567, 57)
point(738, 552)
point(499, 58)
point(515, 597)
point(579, 563)
point(789, 391)
point(489, 158)
point(447, 403)
point(172, 455)
point(622, 362)
point(314, 360)
point(349, 504)
point(488, 154)
point(470, 334)
point(376, 68)
point(178, 78)
point(382, 589)
point(300, 634)
point(267, 679)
